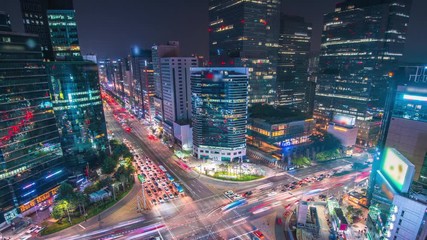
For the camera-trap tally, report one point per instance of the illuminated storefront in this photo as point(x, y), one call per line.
point(47, 196)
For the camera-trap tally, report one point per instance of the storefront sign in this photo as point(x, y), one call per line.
point(41, 198)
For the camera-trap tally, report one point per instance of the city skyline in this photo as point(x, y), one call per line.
point(140, 15)
point(213, 119)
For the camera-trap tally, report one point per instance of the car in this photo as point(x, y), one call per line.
point(154, 202)
point(148, 191)
point(159, 189)
point(161, 200)
point(247, 194)
point(154, 191)
point(39, 229)
point(31, 229)
point(258, 234)
point(167, 189)
point(171, 196)
point(165, 197)
point(25, 237)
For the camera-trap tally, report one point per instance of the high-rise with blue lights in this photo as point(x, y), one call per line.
point(30, 150)
point(77, 104)
point(362, 42)
point(219, 112)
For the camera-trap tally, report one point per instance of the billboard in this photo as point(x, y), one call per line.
point(397, 169)
point(344, 120)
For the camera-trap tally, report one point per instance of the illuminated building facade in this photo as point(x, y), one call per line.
point(139, 60)
point(77, 104)
point(246, 34)
point(219, 113)
point(170, 49)
point(287, 132)
point(30, 150)
point(397, 209)
point(292, 67)
point(406, 123)
point(176, 91)
point(63, 34)
point(36, 21)
point(362, 42)
point(395, 212)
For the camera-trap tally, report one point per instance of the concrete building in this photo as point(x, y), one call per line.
point(170, 49)
point(176, 92)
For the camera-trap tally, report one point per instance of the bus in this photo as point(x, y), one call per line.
point(162, 168)
point(170, 177)
point(141, 178)
point(178, 187)
point(234, 204)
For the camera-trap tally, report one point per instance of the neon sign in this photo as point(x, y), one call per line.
point(29, 185)
point(53, 174)
point(414, 97)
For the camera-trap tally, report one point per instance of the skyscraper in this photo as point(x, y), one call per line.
point(139, 60)
point(219, 112)
point(176, 90)
point(63, 34)
point(30, 151)
point(35, 16)
point(170, 49)
point(78, 109)
point(292, 68)
point(246, 34)
point(362, 42)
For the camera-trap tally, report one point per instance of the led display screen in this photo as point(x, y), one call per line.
point(344, 120)
point(396, 168)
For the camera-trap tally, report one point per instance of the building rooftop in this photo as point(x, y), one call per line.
point(275, 115)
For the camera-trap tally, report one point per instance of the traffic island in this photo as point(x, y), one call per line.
point(52, 226)
point(238, 172)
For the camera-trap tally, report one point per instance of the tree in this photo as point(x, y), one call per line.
point(301, 161)
point(82, 201)
point(108, 165)
point(65, 192)
point(61, 208)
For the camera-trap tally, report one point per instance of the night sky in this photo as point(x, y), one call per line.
point(110, 27)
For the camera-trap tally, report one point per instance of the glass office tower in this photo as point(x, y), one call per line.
point(34, 14)
point(246, 34)
point(362, 42)
point(292, 68)
point(78, 108)
point(63, 34)
point(31, 162)
point(219, 112)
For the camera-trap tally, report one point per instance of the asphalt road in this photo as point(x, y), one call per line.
point(198, 215)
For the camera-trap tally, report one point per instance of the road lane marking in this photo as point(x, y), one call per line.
point(81, 226)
